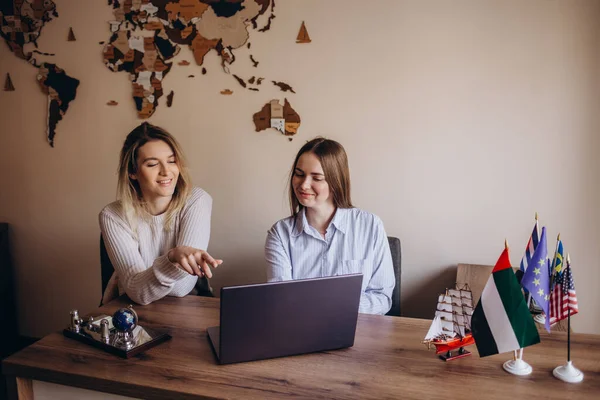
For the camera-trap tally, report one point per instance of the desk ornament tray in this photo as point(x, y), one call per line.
point(120, 334)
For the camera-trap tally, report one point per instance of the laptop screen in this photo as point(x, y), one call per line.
point(285, 318)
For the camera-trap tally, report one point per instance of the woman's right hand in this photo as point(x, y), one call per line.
point(193, 261)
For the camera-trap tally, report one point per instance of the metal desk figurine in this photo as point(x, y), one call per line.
point(119, 334)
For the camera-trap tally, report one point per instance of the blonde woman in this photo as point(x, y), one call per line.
point(156, 233)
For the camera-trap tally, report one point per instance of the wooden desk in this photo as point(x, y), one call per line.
point(387, 361)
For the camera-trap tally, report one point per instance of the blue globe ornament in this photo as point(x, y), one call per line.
point(125, 319)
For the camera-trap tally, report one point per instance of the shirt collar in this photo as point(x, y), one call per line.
point(340, 221)
point(301, 222)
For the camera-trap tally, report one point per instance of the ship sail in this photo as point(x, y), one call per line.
point(452, 316)
point(303, 35)
point(8, 85)
point(435, 329)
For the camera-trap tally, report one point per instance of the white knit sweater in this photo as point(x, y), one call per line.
point(142, 269)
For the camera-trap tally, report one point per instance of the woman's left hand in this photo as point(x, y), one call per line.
point(193, 261)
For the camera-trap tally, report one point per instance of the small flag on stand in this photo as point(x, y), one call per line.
point(501, 321)
point(568, 372)
point(536, 279)
point(559, 255)
point(531, 246)
point(563, 295)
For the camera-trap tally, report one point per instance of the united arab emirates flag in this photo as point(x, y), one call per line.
point(501, 321)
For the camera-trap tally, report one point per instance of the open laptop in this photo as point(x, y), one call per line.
point(285, 318)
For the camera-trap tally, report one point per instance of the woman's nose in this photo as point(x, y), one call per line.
point(163, 169)
point(305, 183)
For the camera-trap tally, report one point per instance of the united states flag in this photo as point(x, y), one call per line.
point(563, 295)
point(531, 246)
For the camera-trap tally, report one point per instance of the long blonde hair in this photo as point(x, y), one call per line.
point(129, 192)
point(334, 162)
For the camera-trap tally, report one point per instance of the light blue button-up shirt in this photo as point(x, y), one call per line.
point(355, 241)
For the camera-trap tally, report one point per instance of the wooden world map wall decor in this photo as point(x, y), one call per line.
point(145, 37)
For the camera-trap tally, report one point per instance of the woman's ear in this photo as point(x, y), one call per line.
point(133, 176)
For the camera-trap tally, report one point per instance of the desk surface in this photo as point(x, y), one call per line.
point(387, 361)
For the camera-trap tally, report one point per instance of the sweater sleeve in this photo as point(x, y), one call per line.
point(194, 231)
point(194, 225)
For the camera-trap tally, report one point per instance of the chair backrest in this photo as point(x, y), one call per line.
point(106, 267)
point(9, 335)
point(396, 251)
point(476, 276)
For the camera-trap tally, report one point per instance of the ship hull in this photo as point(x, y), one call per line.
point(453, 344)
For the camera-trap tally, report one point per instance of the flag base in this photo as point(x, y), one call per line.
point(517, 367)
point(540, 318)
point(535, 309)
point(568, 373)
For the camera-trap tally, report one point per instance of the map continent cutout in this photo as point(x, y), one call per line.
point(282, 118)
point(21, 24)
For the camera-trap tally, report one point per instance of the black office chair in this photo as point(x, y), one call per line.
point(396, 250)
point(106, 267)
point(202, 288)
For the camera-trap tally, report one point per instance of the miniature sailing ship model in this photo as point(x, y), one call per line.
point(303, 35)
point(451, 327)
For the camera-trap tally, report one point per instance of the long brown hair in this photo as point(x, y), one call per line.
point(334, 162)
point(128, 189)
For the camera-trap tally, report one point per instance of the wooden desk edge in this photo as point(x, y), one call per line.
point(19, 380)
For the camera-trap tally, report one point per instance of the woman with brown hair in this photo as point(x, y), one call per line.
point(157, 232)
point(325, 234)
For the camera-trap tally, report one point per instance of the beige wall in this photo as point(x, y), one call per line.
point(461, 120)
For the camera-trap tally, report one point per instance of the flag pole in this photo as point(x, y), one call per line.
point(517, 354)
point(554, 261)
point(568, 373)
point(568, 334)
point(537, 228)
point(568, 316)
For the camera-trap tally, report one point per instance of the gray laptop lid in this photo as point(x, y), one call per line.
point(286, 318)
